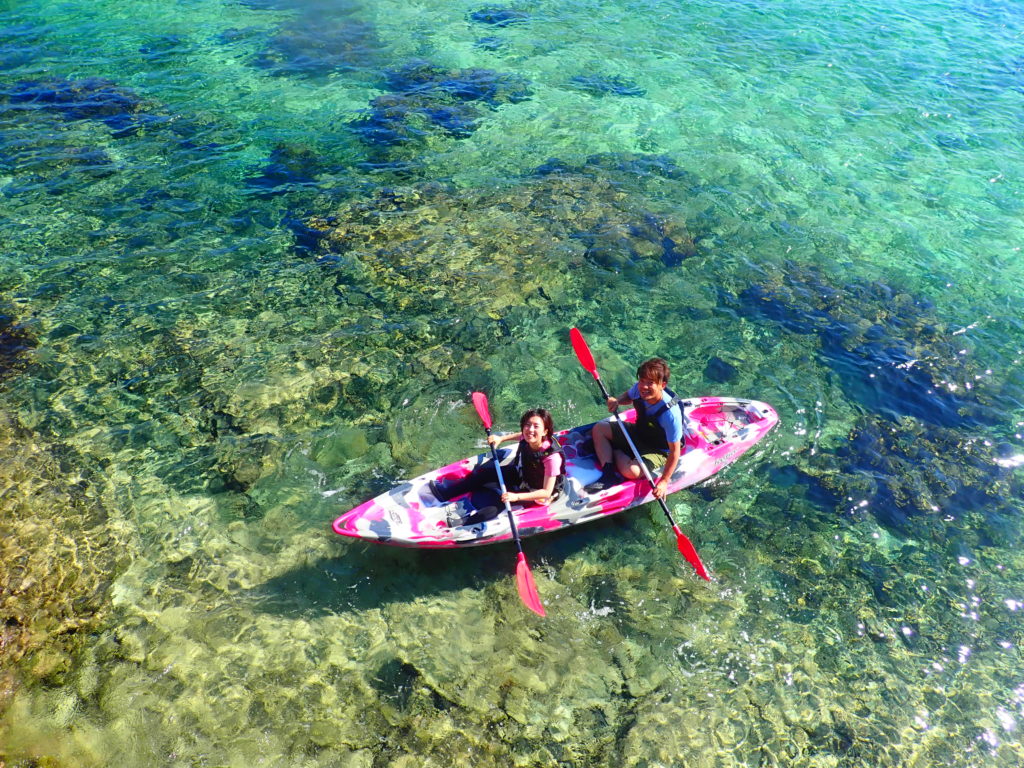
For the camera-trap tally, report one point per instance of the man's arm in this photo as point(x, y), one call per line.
point(661, 487)
point(616, 402)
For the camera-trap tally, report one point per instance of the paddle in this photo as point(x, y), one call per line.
point(579, 345)
point(524, 578)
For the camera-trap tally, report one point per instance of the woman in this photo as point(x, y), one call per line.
point(535, 475)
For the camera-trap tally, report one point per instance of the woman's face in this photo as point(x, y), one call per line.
point(533, 430)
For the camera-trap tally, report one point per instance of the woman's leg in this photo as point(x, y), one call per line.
point(478, 478)
point(486, 504)
point(481, 477)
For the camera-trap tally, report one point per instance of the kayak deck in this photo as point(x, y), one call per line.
point(720, 430)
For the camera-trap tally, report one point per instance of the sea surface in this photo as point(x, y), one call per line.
point(255, 255)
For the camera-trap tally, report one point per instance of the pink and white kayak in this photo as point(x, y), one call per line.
point(721, 429)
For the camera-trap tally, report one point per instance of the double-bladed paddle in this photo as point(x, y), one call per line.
point(524, 578)
point(586, 359)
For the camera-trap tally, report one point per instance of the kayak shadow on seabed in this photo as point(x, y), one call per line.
point(366, 575)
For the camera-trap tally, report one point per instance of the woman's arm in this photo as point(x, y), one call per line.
point(539, 496)
point(496, 440)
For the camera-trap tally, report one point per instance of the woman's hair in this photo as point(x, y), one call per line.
point(654, 369)
point(544, 415)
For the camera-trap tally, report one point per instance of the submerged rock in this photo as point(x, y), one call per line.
point(57, 560)
point(606, 85)
point(497, 16)
point(289, 165)
point(914, 461)
point(20, 44)
point(320, 46)
point(426, 99)
point(719, 371)
point(15, 342)
point(490, 43)
point(93, 98)
point(616, 244)
point(429, 243)
point(886, 347)
point(916, 479)
point(628, 168)
point(613, 242)
point(163, 47)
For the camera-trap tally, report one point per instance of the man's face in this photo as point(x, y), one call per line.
point(651, 390)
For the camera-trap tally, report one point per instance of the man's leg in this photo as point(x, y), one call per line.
point(627, 465)
point(602, 435)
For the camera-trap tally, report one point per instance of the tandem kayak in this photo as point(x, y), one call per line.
point(721, 430)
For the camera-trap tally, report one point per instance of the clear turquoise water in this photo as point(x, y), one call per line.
point(824, 197)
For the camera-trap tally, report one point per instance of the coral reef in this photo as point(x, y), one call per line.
point(207, 358)
point(287, 167)
point(719, 371)
point(914, 462)
point(489, 43)
point(20, 45)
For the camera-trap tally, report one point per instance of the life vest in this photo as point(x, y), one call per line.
point(647, 431)
point(530, 464)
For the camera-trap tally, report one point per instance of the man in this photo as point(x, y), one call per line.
point(657, 434)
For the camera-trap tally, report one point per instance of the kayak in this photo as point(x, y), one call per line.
point(720, 430)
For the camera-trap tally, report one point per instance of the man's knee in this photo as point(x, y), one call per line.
point(631, 470)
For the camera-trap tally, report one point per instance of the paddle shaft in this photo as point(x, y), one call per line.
point(501, 484)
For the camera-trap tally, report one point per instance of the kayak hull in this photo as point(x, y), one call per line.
point(409, 516)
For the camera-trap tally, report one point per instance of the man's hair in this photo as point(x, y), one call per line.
point(654, 369)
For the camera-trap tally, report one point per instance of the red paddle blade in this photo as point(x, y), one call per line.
point(579, 345)
point(480, 403)
point(527, 588)
point(687, 550)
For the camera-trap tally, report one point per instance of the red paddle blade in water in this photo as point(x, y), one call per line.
point(527, 588)
point(480, 403)
point(687, 549)
point(579, 345)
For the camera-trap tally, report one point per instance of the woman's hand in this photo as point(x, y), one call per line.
point(493, 440)
point(509, 498)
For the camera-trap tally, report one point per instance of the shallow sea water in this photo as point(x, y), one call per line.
point(256, 254)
